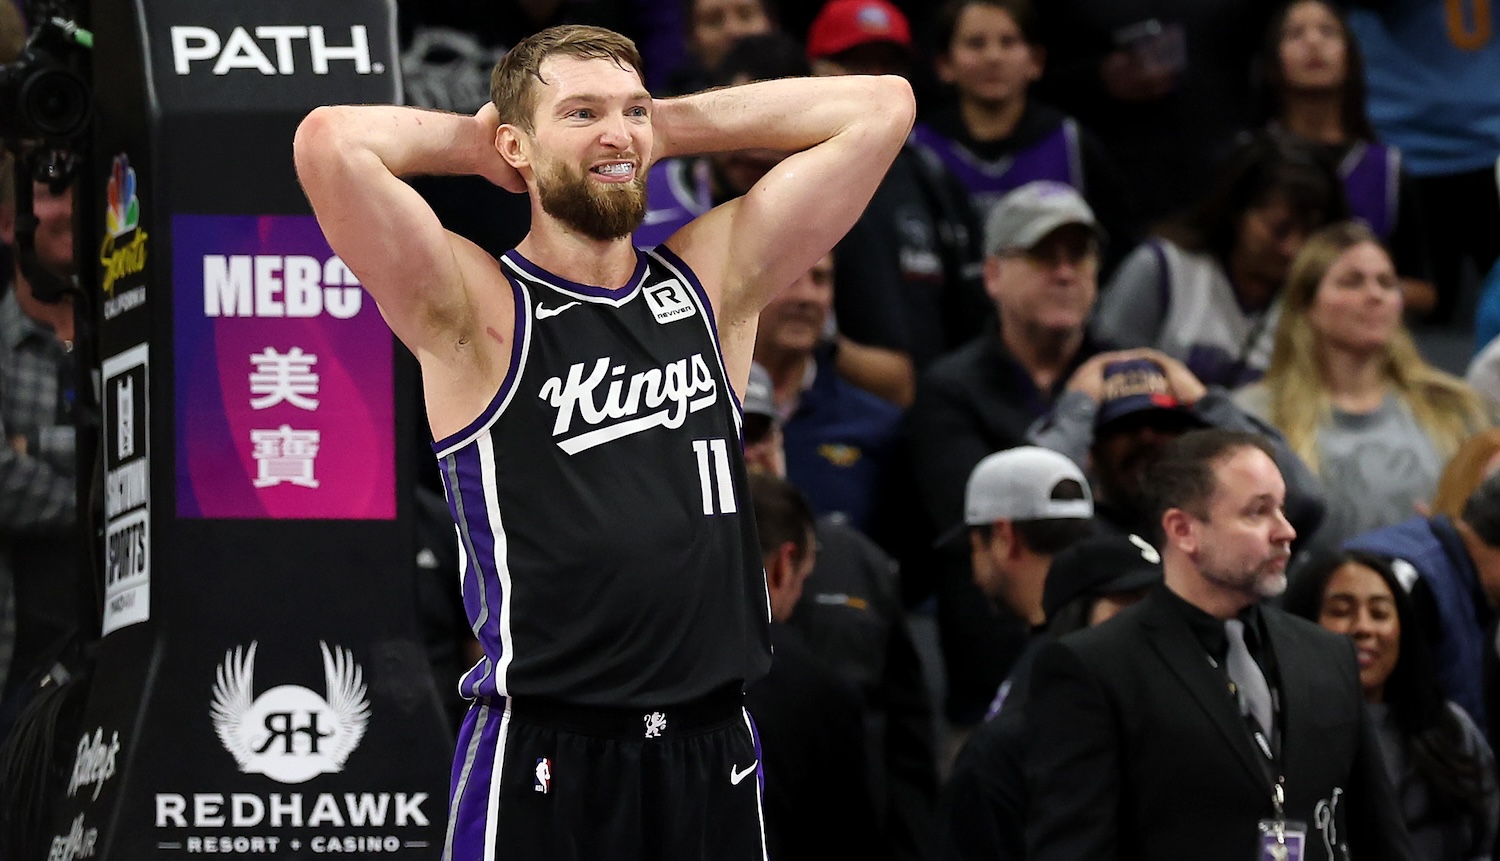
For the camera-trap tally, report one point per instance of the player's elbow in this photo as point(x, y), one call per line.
point(895, 102)
point(315, 140)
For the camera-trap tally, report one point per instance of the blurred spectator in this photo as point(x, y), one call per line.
point(850, 616)
point(1432, 67)
point(39, 602)
point(1042, 259)
point(1350, 392)
point(1459, 561)
point(1167, 732)
point(1311, 81)
point(1118, 412)
point(1436, 757)
point(681, 189)
point(993, 136)
point(713, 26)
point(810, 735)
point(1484, 373)
point(1477, 459)
point(838, 437)
point(1022, 506)
point(910, 265)
point(1487, 314)
point(1162, 82)
point(984, 803)
point(1205, 290)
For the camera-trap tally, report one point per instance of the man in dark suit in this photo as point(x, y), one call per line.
point(1199, 724)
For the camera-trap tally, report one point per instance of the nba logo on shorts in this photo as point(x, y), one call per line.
point(669, 301)
point(543, 775)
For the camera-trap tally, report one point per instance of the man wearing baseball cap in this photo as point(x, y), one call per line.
point(912, 259)
point(1022, 506)
point(983, 813)
point(1120, 410)
point(863, 37)
point(1040, 272)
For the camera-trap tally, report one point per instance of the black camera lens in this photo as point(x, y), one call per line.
point(55, 102)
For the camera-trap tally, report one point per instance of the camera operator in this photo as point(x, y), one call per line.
point(37, 463)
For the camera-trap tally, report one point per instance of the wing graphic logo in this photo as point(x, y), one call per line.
point(290, 733)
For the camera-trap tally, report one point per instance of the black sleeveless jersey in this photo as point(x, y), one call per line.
point(607, 540)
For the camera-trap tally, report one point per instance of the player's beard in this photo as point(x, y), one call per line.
point(599, 210)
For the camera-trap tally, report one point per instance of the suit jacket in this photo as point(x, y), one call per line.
point(1136, 748)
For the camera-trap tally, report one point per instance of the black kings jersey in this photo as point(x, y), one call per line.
point(607, 540)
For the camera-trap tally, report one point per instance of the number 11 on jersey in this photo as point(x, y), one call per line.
point(714, 477)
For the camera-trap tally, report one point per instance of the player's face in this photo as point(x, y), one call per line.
point(795, 320)
point(1243, 545)
point(1358, 602)
point(592, 143)
point(1357, 306)
point(1051, 287)
point(988, 61)
point(716, 24)
point(1313, 54)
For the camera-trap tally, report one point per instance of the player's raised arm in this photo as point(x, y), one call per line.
point(350, 160)
point(843, 133)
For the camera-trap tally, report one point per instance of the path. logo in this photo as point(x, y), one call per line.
point(289, 733)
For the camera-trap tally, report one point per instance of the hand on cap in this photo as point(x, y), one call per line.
point(1186, 387)
point(1089, 378)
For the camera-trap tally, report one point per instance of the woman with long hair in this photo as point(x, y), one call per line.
point(1435, 755)
point(1310, 83)
point(1205, 289)
point(1350, 392)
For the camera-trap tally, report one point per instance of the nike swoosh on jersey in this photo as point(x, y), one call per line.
point(736, 776)
point(543, 313)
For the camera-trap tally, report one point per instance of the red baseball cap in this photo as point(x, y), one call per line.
point(845, 24)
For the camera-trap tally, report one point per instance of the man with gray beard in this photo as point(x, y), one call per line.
point(1199, 723)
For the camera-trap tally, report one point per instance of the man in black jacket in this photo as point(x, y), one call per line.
point(1199, 724)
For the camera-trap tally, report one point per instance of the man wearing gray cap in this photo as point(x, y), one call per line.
point(1040, 270)
point(1022, 506)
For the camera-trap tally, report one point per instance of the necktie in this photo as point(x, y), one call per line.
point(1249, 681)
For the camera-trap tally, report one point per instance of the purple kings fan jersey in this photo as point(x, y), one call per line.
point(607, 541)
point(1056, 156)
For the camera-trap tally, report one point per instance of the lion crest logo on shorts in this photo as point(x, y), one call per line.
point(655, 723)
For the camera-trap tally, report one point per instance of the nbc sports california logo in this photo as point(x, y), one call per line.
point(289, 733)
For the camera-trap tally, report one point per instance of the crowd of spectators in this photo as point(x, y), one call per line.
point(1114, 224)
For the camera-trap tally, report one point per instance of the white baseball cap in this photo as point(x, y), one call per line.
point(1021, 484)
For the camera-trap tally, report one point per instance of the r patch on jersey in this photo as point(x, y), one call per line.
point(669, 301)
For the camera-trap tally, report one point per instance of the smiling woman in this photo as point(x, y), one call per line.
point(1439, 762)
point(1349, 390)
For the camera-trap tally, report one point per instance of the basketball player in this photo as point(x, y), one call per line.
point(584, 399)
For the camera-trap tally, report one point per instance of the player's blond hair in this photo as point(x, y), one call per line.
point(513, 83)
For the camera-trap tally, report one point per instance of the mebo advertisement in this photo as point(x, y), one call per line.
point(282, 372)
